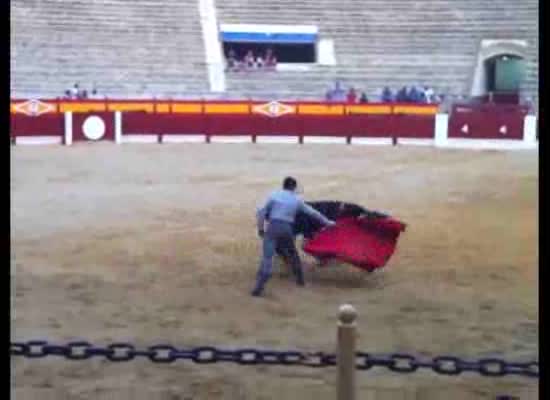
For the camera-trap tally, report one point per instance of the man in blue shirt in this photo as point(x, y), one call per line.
point(387, 95)
point(281, 208)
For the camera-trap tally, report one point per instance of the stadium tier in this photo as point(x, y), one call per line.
point(156, 48)
point(127, 48)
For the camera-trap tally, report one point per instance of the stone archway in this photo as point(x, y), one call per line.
point(489, 49)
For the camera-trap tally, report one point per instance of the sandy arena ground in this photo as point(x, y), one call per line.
point(157, 243)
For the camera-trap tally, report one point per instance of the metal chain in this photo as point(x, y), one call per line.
point(165, 353)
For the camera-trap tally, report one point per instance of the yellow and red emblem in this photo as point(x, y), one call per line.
point(273, 109)
point(34, 108)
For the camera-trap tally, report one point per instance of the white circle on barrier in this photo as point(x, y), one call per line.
point(93, 128)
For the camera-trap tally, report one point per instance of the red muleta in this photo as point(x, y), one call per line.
point(367, 243)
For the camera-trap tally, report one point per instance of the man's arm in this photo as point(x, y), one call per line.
point(262, 213)
point(315, 214)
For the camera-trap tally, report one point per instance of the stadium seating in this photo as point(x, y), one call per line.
point(393, 42)
point(155, 47)
point(128, 48)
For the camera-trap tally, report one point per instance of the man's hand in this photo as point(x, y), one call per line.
point(261, 233)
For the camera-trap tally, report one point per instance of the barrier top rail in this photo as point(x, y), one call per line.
point(202, 106)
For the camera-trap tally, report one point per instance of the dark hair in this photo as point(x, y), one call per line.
point(289, 183)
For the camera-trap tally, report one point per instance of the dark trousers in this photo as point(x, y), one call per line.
point(278, 237)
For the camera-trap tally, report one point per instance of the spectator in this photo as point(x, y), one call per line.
point(249, 59)
point(94, 94)
point(428, 94)
point(363, 99)
point(421, 94)
point(338, 93)
point(232, 62)
point(328, 94)
point(351, 97)
point(259, 62)
point(387, 95)
point(75, 91)
point(402, 95)
point(416, 96)
point(68, 94)
point(270, 59)
point(83, 94)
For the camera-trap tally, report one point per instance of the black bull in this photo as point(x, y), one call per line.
point(307, 226)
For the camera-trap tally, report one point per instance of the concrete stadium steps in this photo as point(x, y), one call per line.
point(155, 47)
point(126, 48)
point(392, 42)
point(315, 83)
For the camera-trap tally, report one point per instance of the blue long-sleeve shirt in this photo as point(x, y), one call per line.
point(283, 205)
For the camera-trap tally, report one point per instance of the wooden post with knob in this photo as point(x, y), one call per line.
point(346, 352)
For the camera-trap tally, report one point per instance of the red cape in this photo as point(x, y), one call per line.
point(367, 243)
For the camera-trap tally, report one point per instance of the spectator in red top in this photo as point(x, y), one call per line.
point(351, 96)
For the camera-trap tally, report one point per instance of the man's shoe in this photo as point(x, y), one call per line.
point(300, 282)
point(257, 292)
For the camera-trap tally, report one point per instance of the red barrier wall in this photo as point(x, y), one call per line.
point(136, 123)
point(292, 125)
point(228, 125)
point(325, 125)
point(487, 121)
point(286, 125)
point(178, 123)
point(479, 121)
point(413, 126)
point(239, 118)
point(44, 125)
point(365, 125)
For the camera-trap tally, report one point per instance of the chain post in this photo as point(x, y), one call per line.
point(346, 352)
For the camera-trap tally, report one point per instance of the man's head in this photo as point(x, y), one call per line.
point(289, 184)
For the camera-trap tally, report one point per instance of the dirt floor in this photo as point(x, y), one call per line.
point(157, 243)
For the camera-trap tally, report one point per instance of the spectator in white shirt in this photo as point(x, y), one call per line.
point(270, 59)
point(429, 94)
point(75, 91)
point(249, 59)
point(259, 62)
